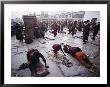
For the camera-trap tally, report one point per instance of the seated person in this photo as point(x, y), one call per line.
point(56, 48)
point(79, 55)
point(33, 56)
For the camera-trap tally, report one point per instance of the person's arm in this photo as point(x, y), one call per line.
point(62, 51)
point(44, 60)
point(28, 56)
point(68, 45)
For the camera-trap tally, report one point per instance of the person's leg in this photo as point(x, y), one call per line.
point(73, 33)
point(87, 38)
point(69, 31)
point(93, 38)
point(55, 33)
point(84, 38)
point(87, 62)
point(34, 69)
point(61, 28)
point(58, 30)
point(31, 69)
point(94, 34)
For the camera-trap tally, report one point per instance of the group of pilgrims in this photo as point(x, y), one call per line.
point(40, 28)
point(87, 27)
point(35, 65)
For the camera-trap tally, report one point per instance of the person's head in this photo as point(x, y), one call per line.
point(31, 50)
point(85, 21)
point(35, 53)
point(88, 20)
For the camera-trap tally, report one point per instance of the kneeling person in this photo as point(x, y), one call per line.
point(33, 59)
point(56, 48)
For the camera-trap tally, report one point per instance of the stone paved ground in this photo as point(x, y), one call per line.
point(92, 48)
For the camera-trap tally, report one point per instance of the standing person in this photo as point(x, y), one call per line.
point(86, 31)
point(46, 25)
point(75, 24)
point(33, 56)
point(62, 25)
point(18, 30)
point(65, 23)
point(41, 33)
point(96, 28)
point(35, 30)
point(79, 26)
point(58, 26)
point(43, 29)
point(13, 30)
point(56, 48)
point(73, 29)
point(55, 27)
point(69, 26)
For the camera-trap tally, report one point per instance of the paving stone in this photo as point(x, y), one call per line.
point(24, 73)
point(91, 50)
point(53, 69)
point(17, 60)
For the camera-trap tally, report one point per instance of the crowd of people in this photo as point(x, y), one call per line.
point(40, 28)
point(17, 29)
point(73, 26)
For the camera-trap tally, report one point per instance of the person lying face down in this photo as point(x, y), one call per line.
point(77, 53)
point(33, 56)
point(56, 48)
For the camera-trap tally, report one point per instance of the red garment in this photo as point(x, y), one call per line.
point(56, 47)
point(79, 55)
